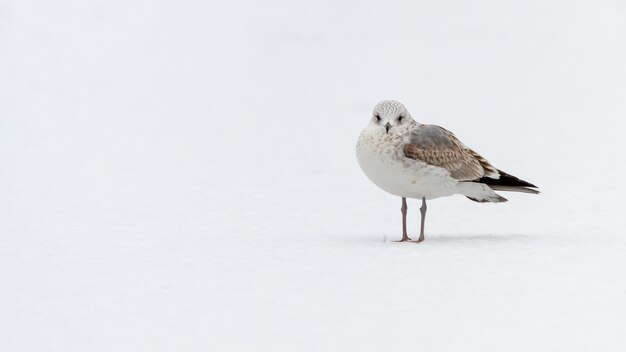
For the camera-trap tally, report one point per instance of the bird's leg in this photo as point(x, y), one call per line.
point(423, 211)
point(404, 208)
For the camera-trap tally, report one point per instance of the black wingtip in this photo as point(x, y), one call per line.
point(505, 180)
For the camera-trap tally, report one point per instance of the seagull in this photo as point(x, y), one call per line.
point(413, 160)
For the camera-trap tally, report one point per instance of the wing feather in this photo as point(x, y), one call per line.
point(437, 146)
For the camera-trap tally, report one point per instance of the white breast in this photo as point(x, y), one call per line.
point(381, 157)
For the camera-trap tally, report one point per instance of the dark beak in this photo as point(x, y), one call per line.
point(387, 127)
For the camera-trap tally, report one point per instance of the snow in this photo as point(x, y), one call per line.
point(180, 175)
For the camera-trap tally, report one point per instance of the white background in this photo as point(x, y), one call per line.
point(180, 176)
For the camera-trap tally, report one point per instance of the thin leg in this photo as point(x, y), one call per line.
point(404, 208)
point(423, 211)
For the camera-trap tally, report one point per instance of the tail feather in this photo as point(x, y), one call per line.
point(497, 199)
point(514, 189)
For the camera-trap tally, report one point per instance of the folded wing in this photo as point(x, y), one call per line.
point(437, 146)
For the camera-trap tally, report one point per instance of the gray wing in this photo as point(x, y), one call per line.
point(437, 146)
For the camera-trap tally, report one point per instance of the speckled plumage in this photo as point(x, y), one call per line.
point(413, 160)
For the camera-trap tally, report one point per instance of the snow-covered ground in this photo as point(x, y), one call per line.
point(180, 176)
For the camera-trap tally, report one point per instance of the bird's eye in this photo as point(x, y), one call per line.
point(378, 118)
point(400, 118)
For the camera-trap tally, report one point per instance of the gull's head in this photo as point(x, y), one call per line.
point(389, 114)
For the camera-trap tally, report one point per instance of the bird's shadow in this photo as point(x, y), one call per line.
point(489, 237)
